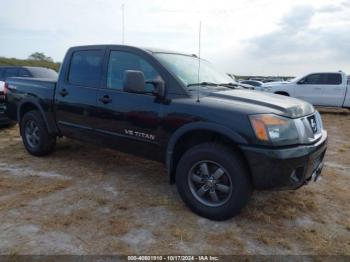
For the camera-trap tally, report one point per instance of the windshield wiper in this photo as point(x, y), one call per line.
point(234, 85)
point(202, 84)
point(230, 85)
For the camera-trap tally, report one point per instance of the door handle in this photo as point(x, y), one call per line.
point(318, 88)
point(105, 99)
point(64, 92)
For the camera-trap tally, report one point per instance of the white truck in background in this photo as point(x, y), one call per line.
point(329, 89)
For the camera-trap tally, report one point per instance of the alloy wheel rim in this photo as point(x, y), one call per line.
point(210, 183)
point(31, 132)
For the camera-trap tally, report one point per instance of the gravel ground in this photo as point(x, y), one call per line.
point(88, 200)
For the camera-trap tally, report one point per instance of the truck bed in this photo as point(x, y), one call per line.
point(25, 89)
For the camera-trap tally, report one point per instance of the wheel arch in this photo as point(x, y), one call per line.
point(283, 93)
point(193, 134)
point(29, 105)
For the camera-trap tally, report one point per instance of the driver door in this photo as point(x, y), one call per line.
point(309, 88)
point(128, 121)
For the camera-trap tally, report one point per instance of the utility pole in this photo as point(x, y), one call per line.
point(123, 25)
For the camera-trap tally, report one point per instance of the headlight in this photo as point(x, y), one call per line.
point(273, 129)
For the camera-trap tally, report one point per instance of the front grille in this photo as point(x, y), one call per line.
point(313, 123)
point(309, 128)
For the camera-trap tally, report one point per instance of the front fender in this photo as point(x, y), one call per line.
point(220, 129)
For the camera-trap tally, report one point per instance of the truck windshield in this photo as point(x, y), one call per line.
point(185, 67)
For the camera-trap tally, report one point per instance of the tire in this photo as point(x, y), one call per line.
point(227, 203)
point(35, 136)
point(282, 93)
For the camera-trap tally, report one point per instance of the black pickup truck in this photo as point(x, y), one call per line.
point(19, 71)
point(217, 140)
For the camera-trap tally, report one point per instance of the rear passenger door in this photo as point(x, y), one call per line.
point(332, 89)
point(324, 89)
point(75, 98)
point(129, 121)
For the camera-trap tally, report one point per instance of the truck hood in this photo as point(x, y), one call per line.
point(261, 102)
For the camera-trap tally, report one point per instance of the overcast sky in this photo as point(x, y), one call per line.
point(260, 37)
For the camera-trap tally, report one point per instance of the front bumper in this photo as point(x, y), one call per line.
point(287, 168)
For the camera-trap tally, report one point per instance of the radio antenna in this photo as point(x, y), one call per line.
point(199, 58)
point(123, 24)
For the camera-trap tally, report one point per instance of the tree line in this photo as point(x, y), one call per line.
point(35, 59)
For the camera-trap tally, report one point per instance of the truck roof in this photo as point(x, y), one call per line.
point(147, 49)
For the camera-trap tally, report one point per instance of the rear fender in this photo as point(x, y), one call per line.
point(48, 117)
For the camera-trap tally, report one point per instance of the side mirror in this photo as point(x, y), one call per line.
point(134, 81)
point(159, 87)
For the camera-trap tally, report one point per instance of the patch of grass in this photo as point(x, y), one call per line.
point(181, 233)
point(119, 226)
point(263, 238)
point(348, 226)
point(229, 236)
point(78, 216)
point(102, 201)
point(59, 185)
point(30, 189)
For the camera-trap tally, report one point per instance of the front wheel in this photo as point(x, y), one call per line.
point(35, 135)
point(213, 181)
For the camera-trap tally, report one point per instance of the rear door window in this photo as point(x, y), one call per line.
point(332, 79)
point(85, 68)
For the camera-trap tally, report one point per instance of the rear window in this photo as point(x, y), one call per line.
point(10, 72)
point(85, 68)
point(39, 72)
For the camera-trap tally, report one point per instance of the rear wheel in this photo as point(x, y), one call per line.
point(35, 135)
point(212, 181)
point(282, 93)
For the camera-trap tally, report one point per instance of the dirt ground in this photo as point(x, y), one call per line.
point(89, 200)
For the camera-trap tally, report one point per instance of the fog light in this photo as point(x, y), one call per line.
point(297, 175)
point(294, 177)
